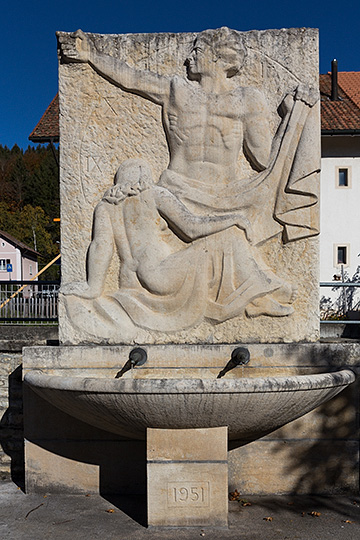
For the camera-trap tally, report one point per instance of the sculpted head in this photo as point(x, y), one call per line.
point(132, 177)
point(134, 174)
point(220, 49)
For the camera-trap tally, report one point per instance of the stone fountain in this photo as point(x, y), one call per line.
point(189, 188)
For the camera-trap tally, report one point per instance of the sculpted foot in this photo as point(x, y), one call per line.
point(285, 294)
point(268, 306)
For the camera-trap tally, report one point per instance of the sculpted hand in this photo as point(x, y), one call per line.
point(245, 225)
point(307, 94)
point(79, 288)
point(78, 49)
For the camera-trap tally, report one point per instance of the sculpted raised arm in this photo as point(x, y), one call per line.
point(78, 48)
point(98, 258)
point(257, 134)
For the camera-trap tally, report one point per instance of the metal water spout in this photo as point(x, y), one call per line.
point(137, 357)
point(239, 357)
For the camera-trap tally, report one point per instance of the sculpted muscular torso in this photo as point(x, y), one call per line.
point(207, 121)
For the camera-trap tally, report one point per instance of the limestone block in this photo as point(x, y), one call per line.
point(220, 228)
point(187, 477)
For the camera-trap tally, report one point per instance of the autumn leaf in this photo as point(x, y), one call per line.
point(268, 518)
point(347, 521)
point(315, 514)
point(110, 511)
point(234, 495)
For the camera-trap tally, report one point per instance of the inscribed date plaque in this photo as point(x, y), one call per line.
point(190, 494)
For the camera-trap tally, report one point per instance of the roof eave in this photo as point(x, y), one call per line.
point(54, 139)
point(330, 132)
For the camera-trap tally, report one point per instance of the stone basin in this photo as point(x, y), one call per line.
point(250, 407)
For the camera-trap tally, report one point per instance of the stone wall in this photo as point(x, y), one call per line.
point(12, 340)
point(11, 423)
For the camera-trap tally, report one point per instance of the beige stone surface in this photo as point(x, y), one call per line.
point(187, 477)
point(318, 452)
point(185, 361)
point(47, 471)
point(104, 124)
point(187, 444)
point(302, 466)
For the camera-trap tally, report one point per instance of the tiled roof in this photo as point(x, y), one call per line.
point(342, 115)
point(48, 127)
point(17, 243)
point(350, 82)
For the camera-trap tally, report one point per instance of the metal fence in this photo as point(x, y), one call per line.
point(36, 302)
point(343, 309)
point(29, 302)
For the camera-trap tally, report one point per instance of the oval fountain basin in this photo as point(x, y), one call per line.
point(250, 407)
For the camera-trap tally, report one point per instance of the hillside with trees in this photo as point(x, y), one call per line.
point(29, 201)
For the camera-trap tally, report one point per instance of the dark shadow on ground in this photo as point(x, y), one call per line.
point(121, 463)
point(134, 506)
point(318, 454)
point(12, 428)
point(328, 462)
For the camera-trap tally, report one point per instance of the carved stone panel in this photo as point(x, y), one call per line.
point(189, 187)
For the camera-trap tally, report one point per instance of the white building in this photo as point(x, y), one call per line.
point(340, 176)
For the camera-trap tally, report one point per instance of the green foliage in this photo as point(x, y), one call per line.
point(29, 201)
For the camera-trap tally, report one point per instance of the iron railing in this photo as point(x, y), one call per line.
point(29, 302)
point(344, 310)
point(36, 302)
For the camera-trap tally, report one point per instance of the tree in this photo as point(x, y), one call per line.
point(29, 195)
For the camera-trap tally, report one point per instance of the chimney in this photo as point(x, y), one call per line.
point(334, 81)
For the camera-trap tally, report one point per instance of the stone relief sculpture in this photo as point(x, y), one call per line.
point(188, 242)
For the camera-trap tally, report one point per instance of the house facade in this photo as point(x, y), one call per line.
point(17, 260)
point(340, 176)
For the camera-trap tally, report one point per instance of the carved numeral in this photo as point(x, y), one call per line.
point(92, 163)
point(188, 494)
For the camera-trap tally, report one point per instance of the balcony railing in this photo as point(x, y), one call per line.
point(36, 302)
point(343, 308)
point(29, 302)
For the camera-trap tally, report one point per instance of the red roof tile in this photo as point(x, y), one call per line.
point(342, 114)
point(48, 127)
point(350, 83)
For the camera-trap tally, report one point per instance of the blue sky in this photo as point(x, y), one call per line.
point(28, 61)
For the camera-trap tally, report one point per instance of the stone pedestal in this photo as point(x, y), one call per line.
point(187, 477)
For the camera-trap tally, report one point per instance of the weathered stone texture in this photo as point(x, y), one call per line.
point(11, 417)
point(317, 453)
point(187, 477)
point(102, 126)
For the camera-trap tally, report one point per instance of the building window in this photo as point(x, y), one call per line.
point(343, 177)
point(3, 263)
point(341, 255)
point(3, 244)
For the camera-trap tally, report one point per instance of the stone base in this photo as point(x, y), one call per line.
point(325, 441)
point(187, 477)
